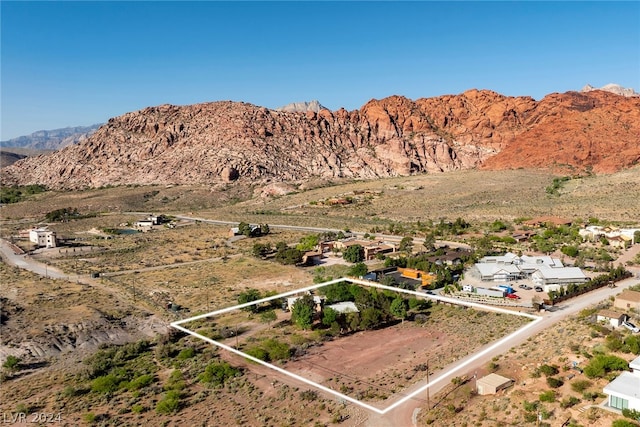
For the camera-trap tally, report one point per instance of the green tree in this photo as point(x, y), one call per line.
point(244, 229)
point(358, 270)
point(268, 316)
point(497, 226)
point(12, 363)
point(338, 292)
point(571, 251)
point(554, 382)
point(633, 343)
point(429, 242)
point(602, 364)
point(370, 318)
point(277, 350)
point(289, 256)
point(261, 250)
point(308, 243)
point(249, 295)
point(548, 370)
point(217, 373)
point(399, 308)
point(303, 311)
point(264, 229)
point(354, 253)
point(329, 316)
point(406, 244)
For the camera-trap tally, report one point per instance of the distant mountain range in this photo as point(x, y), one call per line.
point(302, 107)
point(226, 141)
point(52, 139)
point(613, 88)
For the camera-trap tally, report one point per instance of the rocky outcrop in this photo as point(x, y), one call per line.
point(596, 131)
point(226, 141)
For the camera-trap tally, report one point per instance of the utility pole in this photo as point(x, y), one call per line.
point(428, 402)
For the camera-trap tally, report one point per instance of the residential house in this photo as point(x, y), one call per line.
point(611, 317)
point(596, 232)
point(43, 238)
point(523, 235)
point(371, 248)
point(318, 300)
point(628, 300)
point(619, 241)
point(624, 391)
point(544, 220)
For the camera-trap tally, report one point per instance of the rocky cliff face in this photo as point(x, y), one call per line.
point(228, 141)
point(596, 131)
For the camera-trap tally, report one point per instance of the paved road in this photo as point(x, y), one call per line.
point(387, 237)
point(403, 415)
point(25, 262)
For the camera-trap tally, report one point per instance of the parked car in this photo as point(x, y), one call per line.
point(522, 286)
point(538, 289)
point(630, 326)
point(513, 296)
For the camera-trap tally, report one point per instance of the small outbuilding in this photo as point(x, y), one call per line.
point(492, 383)
point(613, 318)
point(312, 258)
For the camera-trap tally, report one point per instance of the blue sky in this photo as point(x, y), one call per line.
point(79, 63)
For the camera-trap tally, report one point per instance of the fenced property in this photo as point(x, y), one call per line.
point(336, 375)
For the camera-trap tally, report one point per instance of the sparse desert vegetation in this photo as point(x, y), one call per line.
point(100, 352)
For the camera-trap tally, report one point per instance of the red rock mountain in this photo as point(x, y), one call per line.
point(227, 141)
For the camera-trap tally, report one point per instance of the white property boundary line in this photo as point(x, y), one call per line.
point(536, 319)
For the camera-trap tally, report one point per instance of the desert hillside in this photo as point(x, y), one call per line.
point(228, 141)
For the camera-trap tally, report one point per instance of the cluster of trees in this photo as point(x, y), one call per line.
point(282, 253)
point(630, 344)
point(614, 275)
point(62, 215)
point(265, 310)
point(375, 308)
point(354, 253)
point(16, 194)
point(602, 364)
point(253, 230)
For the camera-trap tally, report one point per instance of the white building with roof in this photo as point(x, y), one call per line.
point(498, 272)
point(545, 271)
point(43, 238)
point(554, 278)
point(344, 307)
point(624, 391)
point(595, 232)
